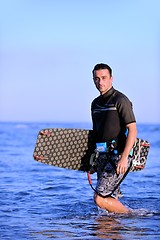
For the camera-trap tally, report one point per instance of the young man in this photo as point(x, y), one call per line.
point(112, 116)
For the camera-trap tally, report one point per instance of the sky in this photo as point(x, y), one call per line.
point(48, 49)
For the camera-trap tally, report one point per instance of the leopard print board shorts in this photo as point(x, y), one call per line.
point(108, 180)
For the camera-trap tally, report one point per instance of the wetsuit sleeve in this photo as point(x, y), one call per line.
point(125, 110)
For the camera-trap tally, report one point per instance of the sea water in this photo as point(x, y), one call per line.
point(39, 201)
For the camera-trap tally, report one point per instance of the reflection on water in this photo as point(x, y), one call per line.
point(102, 227)
point(108, 227)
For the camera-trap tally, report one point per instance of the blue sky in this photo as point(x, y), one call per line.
point(48, 49)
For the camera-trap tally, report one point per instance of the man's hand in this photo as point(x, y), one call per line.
point(122, 165)
point(131, 137)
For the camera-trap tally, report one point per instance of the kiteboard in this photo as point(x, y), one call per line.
point(74, 149)
point(65, 148)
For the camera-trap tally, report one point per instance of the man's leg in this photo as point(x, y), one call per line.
point(110, 204)
point(107, 185)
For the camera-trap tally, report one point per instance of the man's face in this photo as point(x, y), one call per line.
point(102, 80)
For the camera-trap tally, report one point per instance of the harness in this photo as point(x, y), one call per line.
point(107, 149)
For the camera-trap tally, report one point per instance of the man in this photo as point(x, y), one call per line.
point(112, 115)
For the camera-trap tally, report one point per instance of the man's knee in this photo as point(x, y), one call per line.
point(99, 201)
point(103, 202)
point(96, 198)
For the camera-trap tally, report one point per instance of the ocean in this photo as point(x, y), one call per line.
point(39, 201)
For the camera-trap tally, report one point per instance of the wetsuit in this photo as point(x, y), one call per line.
point(111, 113)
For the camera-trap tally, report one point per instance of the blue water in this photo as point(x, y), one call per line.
point(39, 201)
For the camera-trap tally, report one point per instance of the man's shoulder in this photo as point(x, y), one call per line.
point(96, 99)
point(121, 100)
point(119, 96)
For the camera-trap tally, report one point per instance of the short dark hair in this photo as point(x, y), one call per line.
point(100, 66)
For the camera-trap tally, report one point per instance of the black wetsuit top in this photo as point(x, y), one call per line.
point(111, 112)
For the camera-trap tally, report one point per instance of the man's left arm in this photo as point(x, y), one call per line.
point(131, 137)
